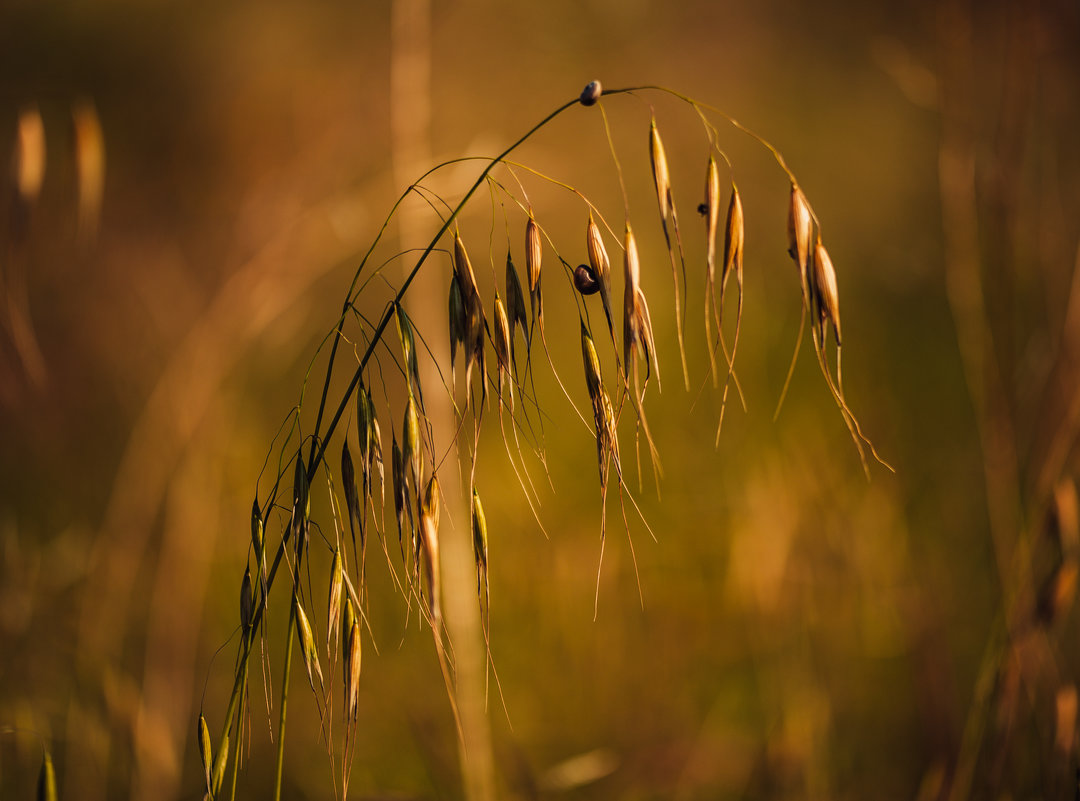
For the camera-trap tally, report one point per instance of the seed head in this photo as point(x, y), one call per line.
point(661, 176)
point(463, 269)
point(591, 93)
point(456, 316)
point(205, 749)
point(502, 336)
point(352, 670)
point(412, 458)
point(246, 602)
point(533, 255)
point(256, 529)
point(429, 550)
point(592, 365)
point(800, 228)
point(352, 499)
point(398, 474)
point(515, 304)
point(824, 291)
point(307, 646)
point(480, 540)
point(734, 237)
point(333, 606)
point(712, 212)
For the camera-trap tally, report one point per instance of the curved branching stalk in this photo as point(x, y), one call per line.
point(412, 452)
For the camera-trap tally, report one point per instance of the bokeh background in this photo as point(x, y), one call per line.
point(212, 174)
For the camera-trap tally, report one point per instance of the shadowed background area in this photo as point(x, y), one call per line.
point(191, 189)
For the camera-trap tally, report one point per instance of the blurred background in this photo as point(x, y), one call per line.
point(191, 188)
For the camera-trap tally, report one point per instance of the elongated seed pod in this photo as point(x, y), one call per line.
point(712, 216)
point(661, 176)
point(601, 268)
point(734, 237)
point(412, 458)
point(533, 256)
point(825, 293)
point(592, 364)
point(515, 305)
point(307, 646)
point(246, 602)
point(333, 606)
point(205, 749)
point(456, 317)
point(480, 539)
point(800, 228)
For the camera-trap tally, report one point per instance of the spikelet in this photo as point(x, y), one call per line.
point(601, 268)
point(632, 274)
point(734, 238)
point(661, 176)
point(480, 541)
point(205, 749)
point(456, 317)
point(502, 349)
point(826, 298)
point(301, 510)
point(800, 229)
point(352, 670)
point(464, 271)
point(533, 255)
point(474, 315)
point(515, 306)
point(258, 545)
point(637, 325)
point(333, 606)
point(429, 551)
point(352, 499)
point(592, 364)
point(246, 602)
point(408, 349)
point(400, 494)
point(307, 647)
point(412, 457)
point(711, 210)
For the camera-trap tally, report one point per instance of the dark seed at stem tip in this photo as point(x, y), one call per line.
point(591, 93)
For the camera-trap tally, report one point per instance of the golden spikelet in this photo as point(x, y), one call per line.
point(412, 457)
point(826, 298)
point(246, 602)
point(480, 540)
point(205, 749)
point(601, 268)
point(515, 305)
point(307, 646)
point(352, 671)
point(533, 256)
point(333, 605)
point(800, 228)
point(712, 217)
point(661, 176)
point(429, 551)
point(456, 317)
point(734, 238)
